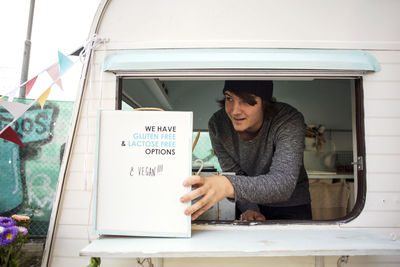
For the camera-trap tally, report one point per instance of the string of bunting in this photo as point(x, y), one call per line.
point(55, 71)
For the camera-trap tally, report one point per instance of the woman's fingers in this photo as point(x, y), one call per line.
point(198, 192)
point(200, 211)
point(211, 189)
point(194, 180)
point(199, 207)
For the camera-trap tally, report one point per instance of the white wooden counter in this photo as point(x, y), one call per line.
point(247, 243)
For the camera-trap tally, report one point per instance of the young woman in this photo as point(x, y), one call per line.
point(262, 142)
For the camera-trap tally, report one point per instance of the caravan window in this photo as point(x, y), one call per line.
point(334, 142)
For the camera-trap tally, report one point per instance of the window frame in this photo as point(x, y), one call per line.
point(221, 74)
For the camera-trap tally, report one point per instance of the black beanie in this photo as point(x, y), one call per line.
point(262, 89)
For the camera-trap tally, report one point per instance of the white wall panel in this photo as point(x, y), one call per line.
point(388, 73)
point(383, 144)
point(81, 144)
point(382, 108)
point(74, 216)
point(382, 126)
point(73, 231)
point(75, 180)
point(272, 23)
point(382, 90)
point(383, 163)
point(386, 56)
point(77, 162)
point(376, 219)
point(76, 199)
point(65, 247)
point(383, 182)
point(69, 261)
point(87, 125)
point(379, 201)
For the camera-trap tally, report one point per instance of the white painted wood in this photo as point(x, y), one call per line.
point(73, 231)
point(382, 126)
point(383, 182)
point(386, 56)
point(382, 90)
point(192, 27)
point(247, 244)
point(382, 201)
point(65, 247)
point(383, 163)
point(383, 144)
point(388, 108)
point(74, 216)
point(375, 219)
point(75, 199)
point(76, 181)
point(388, 73)
point(69, 261)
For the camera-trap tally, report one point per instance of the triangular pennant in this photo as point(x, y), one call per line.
point(29, 85)
point(42, 99)
point(65, 62)
point(1, 98)
point(54, 72)
point(15, 108)
point(12, 94)
point(10, 135)
point(77, 52)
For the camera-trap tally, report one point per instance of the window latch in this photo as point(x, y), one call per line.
point(359, 163)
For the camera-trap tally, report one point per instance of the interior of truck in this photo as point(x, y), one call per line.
point(327, 104)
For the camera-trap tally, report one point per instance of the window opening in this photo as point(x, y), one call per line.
point(333, 140)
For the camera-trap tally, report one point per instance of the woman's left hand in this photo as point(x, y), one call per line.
point(210, 189)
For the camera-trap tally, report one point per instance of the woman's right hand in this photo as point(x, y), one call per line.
point(211, 190)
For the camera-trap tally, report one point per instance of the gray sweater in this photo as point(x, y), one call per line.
point(269, 168)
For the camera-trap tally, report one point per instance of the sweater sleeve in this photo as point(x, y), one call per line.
point(279, 183)
point(227, 163)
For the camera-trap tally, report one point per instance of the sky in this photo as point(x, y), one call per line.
point(57, 26)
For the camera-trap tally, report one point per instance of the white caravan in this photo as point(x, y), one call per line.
point(338, 62)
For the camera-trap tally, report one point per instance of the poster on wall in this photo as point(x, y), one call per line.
point(142, 158)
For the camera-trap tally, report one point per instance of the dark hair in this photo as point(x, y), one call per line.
point(268, 106)
point(248, 90)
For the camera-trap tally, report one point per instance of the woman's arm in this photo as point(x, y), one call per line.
point(279, 183)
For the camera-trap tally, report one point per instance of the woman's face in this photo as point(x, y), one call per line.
point(246, 119)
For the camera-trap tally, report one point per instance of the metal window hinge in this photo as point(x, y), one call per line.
point(359, 163)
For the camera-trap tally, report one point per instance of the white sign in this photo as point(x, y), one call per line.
point(142, 159)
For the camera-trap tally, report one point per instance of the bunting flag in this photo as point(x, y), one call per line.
point(1, 98)
point(10, 135)
point(12, 94)
point(54, 72)
point(42, 99)
point(65, 63)
point(15, 108)
point(30, 84)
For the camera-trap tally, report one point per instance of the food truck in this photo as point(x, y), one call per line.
point(337, 62)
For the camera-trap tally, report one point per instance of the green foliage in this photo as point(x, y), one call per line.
point(94, 262)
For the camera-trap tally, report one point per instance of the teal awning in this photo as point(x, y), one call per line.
point(277, 59)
